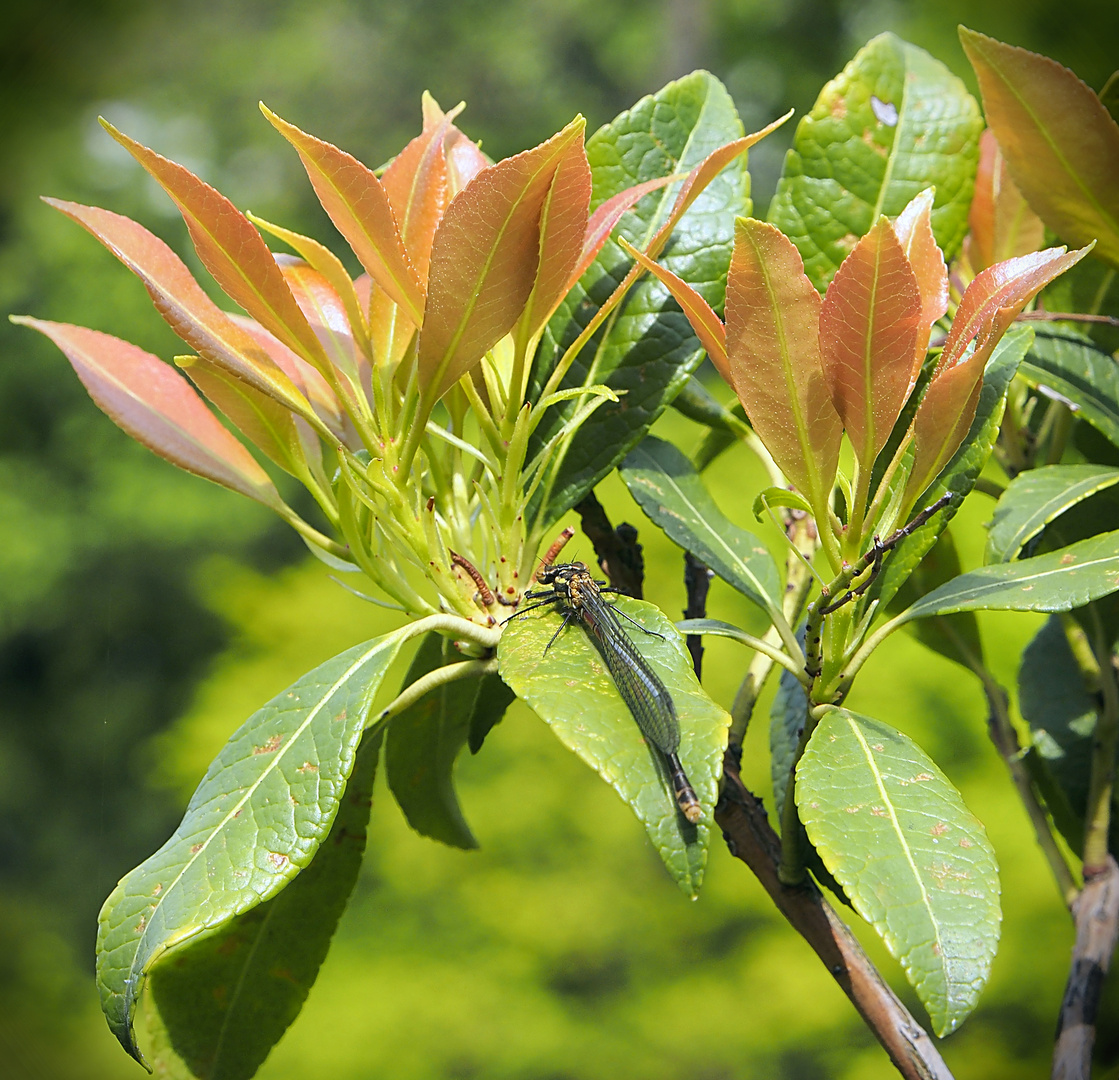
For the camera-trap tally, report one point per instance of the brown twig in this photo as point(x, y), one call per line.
point(750, 838)
point(617, 549)
point(697, 582)
point(1097, 927)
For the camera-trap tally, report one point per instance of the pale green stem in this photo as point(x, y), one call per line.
point(1105, 740)
point(441, 676)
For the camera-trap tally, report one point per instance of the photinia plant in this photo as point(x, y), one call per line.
point(516, 331)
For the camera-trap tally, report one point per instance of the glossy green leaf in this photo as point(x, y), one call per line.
point(666, 486)
point(572, 691)
point(916, 864)
point(773, 348)
point(186, 307)
point(1060, 142)
point(485, 259)
point(360, 209)
point(954, 636)
point(775, 496)
point(647, 349)
point(1062, 714)
point(697, 403)
point(422, 746)
point(232, 250)
point(1061, 580)
point(226, 998)
point(154, 404)
point(894, 122)
point(960, 474)
point(787, 717)
point(1034, 498)
point(1083, 375)
point(258, 817)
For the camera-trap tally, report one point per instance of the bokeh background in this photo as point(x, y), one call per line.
point(144, 614)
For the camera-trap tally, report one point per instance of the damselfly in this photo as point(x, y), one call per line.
point(579, 597)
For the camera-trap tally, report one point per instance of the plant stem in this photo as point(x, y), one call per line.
point(1105, 738)
point(749, 837)
point(465, 669)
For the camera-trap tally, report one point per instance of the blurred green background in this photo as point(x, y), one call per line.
point(144, 614)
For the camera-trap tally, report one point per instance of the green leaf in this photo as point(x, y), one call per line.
point(494, 697)
point(775, 496)
point(1064, 579)
point(916, 864)
point(262, 809)
point(1034, 498)
point(1087, 377)
point(572, 691)
point(667, 487)
point(696, 402)
point(1060, 143)
point(787, 717)
point(960, 474)
point(1062, 715)
point(894, 122)
point(647, 349)
point(226, 998)
point(422, 746)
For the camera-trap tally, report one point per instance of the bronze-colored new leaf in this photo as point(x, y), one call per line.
point(914, 232)
point(231, 249)
point(484, 261)
point(186, 307)
point(1001, 224)
point(359, 206)
point(869, 324)
point(773, 349)
point(1060, 143)
point(154, 404)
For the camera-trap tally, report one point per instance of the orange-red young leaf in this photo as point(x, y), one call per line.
point(702, 175)
point(601, 223)
point(484, 261)
point(389, 331)
point(311, 384)
point(914, 231)
point(285, 439)
point(326, 313)
point(942, 421)
point(997, 296)
point(773, 347)
point(182, 302)
point(358, 205)
point(330, 266)
point(1060, 143)
point(869, 324)
point(231, 249)
point(464, 159)
point(1001, 224)
point(563, 223)
point(156, 406)
point(419, 190)
point(707, 325)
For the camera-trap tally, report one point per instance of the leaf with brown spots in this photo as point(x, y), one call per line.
point(222, 862)
point(915, 863)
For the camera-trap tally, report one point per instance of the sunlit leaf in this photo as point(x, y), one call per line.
point(226, 998)
point(231, 249)
point(1061, 580)
point(464, 159)
point(1060, 143)
point(263, 808)
point(181, 301)
point(892, 123)
point(360, 209)
point(1001, 224)
point(773, 345)
point(422, 746)
point(484, 261)
point(1037, 496)
point(156, 406)
point(914, 232)
point(572, 691)
point(706, 325)
point(914, 861)
point(601, 223)
point(869, 326)
point(666, 486)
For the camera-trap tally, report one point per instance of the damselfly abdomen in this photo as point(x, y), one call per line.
point(579, 596)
